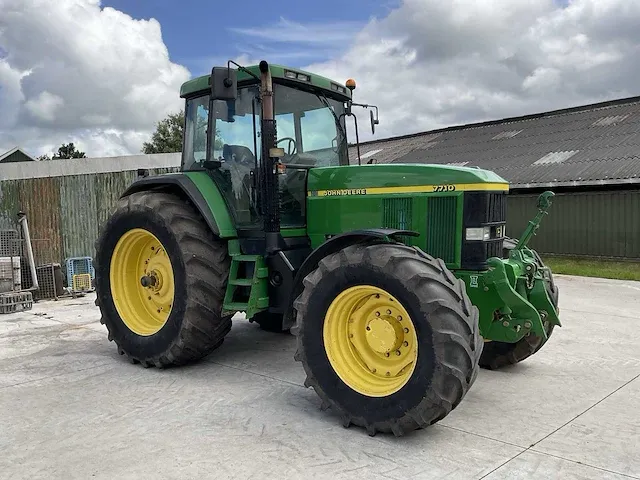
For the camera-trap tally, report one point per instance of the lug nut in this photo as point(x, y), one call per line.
point(377, 314)
point(386, 354)
point(399, 318)
point(368, 328)
point(406, 330)
point(406, 344)
point(398, 352)
point(388, 312)
point(527, 325)
point(505, 323)
point(388, 373)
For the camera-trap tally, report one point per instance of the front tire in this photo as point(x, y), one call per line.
point(387, 337)
point(160, 281)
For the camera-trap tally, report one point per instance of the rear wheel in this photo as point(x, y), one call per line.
point(387, 337)
point(160, 281)
point(496, 355)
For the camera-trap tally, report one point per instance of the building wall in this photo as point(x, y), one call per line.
point(598, 224)
point(68, 200)
point(65, 211)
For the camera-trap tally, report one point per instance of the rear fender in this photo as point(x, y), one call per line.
point(332, 245)
point(198, 188)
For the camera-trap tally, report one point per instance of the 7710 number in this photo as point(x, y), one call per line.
point(444, 188)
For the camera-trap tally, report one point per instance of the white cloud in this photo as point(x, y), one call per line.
point(99, 78)
point(73, 71)
point(45, 106)
point(431, 64)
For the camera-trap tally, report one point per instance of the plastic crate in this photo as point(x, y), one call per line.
point(15, 302)
point(79, 266)
point(82, 282)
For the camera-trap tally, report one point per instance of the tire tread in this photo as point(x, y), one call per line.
point(203, 327)
point(452, 377)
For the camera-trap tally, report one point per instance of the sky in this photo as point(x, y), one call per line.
point(103, 73)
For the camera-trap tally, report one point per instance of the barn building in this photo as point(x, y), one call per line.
point(589, 156)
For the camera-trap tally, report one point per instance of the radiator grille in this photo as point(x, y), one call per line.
point(497, 207)
point(494, 249)
point(441, 228)
point(397, 213)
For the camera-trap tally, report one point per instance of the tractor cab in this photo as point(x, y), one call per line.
point(224, 137)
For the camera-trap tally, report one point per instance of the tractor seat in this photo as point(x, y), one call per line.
point(238, 154)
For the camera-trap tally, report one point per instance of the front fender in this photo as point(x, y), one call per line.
point(333, 245)
point(200, 189)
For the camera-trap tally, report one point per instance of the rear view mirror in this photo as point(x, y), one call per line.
point(374, 122)
point(224, 83)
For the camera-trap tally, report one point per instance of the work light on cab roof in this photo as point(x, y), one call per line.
point(397, 280)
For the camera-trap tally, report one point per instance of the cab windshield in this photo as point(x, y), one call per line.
point(308, 129)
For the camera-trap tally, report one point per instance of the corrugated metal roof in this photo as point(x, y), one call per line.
point(587, 145)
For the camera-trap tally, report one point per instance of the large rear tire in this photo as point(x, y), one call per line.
point(160, 281)
point(387, 337)
point(496, 355)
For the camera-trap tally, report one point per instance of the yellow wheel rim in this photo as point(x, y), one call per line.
point(142, 284)
point(370, 341)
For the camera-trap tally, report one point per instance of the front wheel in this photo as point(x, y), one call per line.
point(387, 337)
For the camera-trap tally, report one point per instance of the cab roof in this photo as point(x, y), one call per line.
point(201, 84)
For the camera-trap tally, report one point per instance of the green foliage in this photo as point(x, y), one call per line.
point(169, 133)
point(66, 150)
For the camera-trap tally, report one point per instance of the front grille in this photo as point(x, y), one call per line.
point(482, 209)
point(398, 213)
point(496, 207)
point(494, 249)
point(441, 228)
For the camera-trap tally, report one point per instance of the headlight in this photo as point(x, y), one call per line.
point(478, 234)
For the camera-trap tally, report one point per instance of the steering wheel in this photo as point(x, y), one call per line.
point(291, 141)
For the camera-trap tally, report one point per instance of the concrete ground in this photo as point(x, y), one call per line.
point(71, 407)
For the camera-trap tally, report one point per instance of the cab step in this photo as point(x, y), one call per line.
point(247, 288)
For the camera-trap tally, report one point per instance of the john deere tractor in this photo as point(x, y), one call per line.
point(396, 279)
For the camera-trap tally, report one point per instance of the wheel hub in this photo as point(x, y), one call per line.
point(142, 283)
point(377, 355)
point(384, 334)
point(149, 280)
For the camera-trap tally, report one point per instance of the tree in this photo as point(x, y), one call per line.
point(64, 151)
point(169, 133)
point(68, 151)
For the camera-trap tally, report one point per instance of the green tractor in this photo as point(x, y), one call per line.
point(396, 279)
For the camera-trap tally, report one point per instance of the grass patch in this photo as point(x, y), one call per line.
point(584, 267)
